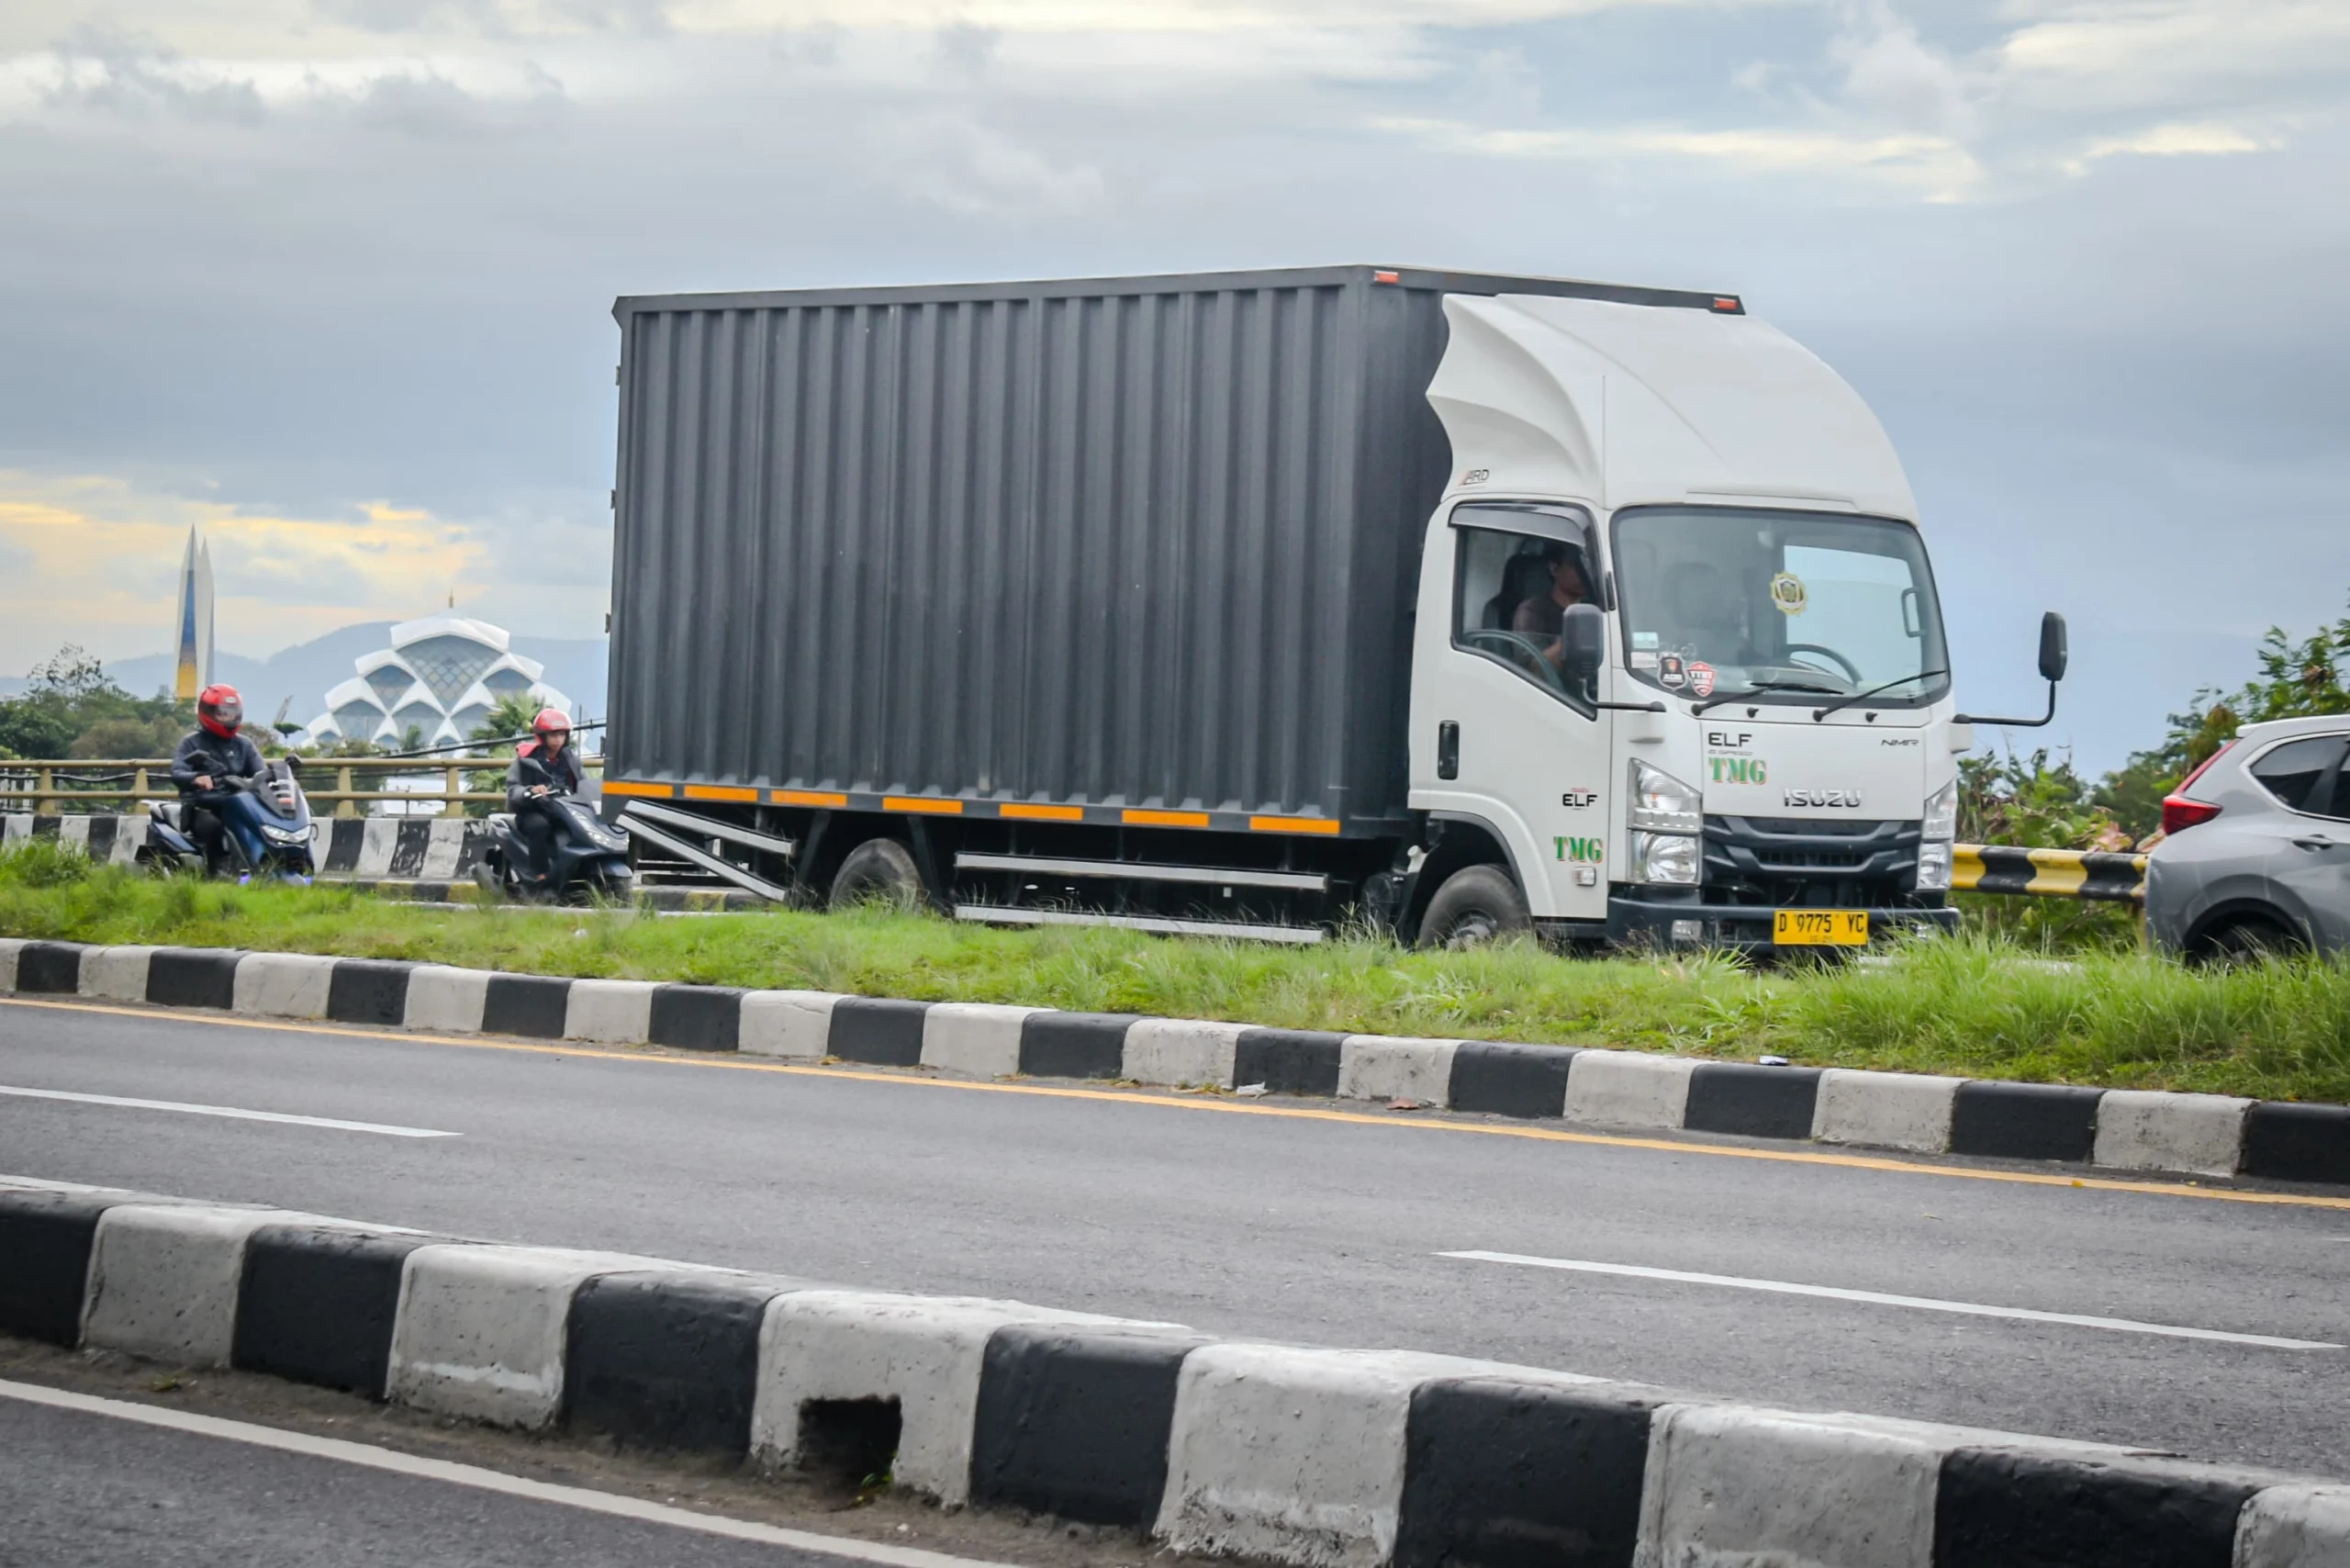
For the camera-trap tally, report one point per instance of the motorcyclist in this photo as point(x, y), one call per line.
point(543, 765)
point(216, 751)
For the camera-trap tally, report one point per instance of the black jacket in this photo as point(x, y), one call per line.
point(533, 765)
point(207, 753)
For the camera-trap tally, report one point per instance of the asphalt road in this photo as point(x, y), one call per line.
point(99, 1491)
point(1270, 1219)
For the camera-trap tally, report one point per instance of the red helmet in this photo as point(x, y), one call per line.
point(219, 709)
point(550, 722)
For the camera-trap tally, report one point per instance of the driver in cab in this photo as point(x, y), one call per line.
point(1543, 614)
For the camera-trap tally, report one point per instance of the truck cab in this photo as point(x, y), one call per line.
point(1678, 660)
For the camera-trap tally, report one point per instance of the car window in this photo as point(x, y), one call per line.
point(1511, 594)
point(2293, 770)
point(2338, 805)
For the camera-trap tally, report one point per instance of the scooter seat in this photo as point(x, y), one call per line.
point(165, 812)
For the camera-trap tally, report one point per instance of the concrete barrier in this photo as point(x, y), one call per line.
point(115, 974)
point(446, 1001)
point(1292, 1455)
point(925, 1353)
point(792, 1023)
point(1182, 1053)
point(1729, 1488)
point(2143, 1130)
point(609, 1011)
point(163, 1279)
point(1383, 1067)
point(9, 947)
point(978, 1039)
point(480, 1329)
point(2295, 1526)
point(1885, 1110)
point(1629, 1089)
point(282, 985)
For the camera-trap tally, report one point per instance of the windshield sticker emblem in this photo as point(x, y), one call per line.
point(1644, 640)
point(1581, 851)
point(1788, 594)
point(1672, 671)
point(1740, 770)
point(1701, 678)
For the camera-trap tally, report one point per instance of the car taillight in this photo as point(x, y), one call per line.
point(2180, 813)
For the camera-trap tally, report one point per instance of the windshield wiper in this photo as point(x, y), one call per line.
point(1843, 702)
point(1756, 689)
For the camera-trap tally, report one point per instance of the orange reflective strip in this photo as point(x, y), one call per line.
point(927, 805)
point(719, 792)
point(631, 786)
point(808, 798)
point(1291, 824)
point(1167, 819)
point(1042, 813)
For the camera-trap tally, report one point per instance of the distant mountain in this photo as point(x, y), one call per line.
point(304, 672)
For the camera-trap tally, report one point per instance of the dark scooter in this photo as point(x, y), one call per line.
point(590, 858)
point(284, 812)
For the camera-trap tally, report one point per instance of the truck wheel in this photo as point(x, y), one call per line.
point(880, 870)
point(1476, 905)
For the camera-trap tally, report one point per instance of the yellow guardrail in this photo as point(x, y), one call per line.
point(2097, 875)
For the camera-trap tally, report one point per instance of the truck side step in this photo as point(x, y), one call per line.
point(678, 846)
point(1138, 871)
point(999, 915)
point(641, 810)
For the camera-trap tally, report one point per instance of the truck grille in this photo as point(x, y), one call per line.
point(1790, 862)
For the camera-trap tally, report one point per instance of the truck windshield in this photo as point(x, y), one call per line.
point(1718, 600)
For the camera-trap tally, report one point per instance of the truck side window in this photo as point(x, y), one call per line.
point(1510, 591)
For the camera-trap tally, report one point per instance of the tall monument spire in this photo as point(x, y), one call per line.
point(192, 621)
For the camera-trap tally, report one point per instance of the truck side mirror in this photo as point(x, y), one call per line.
point(1583, 641)
point(2051, 646)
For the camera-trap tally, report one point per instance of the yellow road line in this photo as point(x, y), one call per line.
point(731, 1062)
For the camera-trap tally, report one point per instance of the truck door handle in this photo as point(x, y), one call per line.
point(1448, 750)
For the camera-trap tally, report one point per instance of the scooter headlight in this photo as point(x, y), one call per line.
point(285, 834)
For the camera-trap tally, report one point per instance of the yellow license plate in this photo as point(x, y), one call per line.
point(1819, 927)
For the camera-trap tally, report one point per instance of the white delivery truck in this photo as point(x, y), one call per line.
point(1247, 604)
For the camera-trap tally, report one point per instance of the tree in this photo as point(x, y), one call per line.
point(2296, 680)
point(69, 696)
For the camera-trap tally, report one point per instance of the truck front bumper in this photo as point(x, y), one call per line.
point(1659, 922)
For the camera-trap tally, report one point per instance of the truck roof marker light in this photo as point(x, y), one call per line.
point(1384, 276)
point(1727, 304)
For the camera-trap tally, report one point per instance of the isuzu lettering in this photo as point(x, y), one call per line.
point(1256, 604)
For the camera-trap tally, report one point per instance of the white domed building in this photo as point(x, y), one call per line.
point(441, 677)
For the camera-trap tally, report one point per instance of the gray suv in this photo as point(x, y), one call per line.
point(2258, 853)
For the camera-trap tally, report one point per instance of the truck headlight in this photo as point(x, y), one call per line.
point(1941, 813)
point(1668, 858)
point(1663, 803)
point(1933, 867)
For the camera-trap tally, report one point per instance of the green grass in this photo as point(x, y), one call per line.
point(1980, 1006)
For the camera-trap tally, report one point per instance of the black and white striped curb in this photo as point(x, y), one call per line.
point(2116, 1129)
point(1314, 1457)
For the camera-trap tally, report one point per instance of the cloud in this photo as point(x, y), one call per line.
point(101, 556)
point(2175, 141)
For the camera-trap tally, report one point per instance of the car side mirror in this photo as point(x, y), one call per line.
point(2051, 646)
point(1583, 641)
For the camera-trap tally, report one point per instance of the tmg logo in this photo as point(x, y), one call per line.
point(1581, 851)
point(1738, 770)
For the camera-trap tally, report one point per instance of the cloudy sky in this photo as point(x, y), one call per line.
point(333, 277)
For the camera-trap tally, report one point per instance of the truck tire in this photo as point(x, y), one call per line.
point(1476, 905)
point(880, 870)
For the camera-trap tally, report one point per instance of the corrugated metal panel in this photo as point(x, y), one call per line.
point(1140, 541)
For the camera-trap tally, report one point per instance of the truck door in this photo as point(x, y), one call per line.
point(1526, 753)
